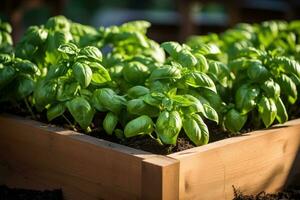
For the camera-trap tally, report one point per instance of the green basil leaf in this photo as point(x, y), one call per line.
point(119, 134)
point(267, 110)
point(100, 74)
point(282, 115)
point(258, 73)
point(167, 103)
point(234, 121)
point(168, 126)
point(242, 64)
point(172, 92)
point(186, 59)
point(288, 65)
point(7, 39)
point(295, 79)
point(5, 58)
point(68, 49)
point(213, 99)
point(182, 100)
point(202, 64)
point(54, 40)
point(66, 90)
point(271, 89)
point(172, 48)
point(55, 111)
point(249, 52)
point(139, 107)
point(288, 87)
point(35, 35)
point(245, 98)
point(106, 99)
point(142, 125)
point(192, 130)
point(196, 129)
point(156, 52)
point(165, 72)
point(207, 49)
point(116, 71)
point(135, 72)
point(82, 111)
point(159, 85)
point(25, 86)
point(220, 73)
point(210, 113)
point(195, 106)
point(138, 25)
point(44, 93)
point(137, 91)
point(86, 93)
point(5, 27)
point(141, 39)
point(110, 122)
point(199, 79)
point(82, 73)
point(91, 53)
point(7, 74)
point(26, 66)
point(152, 100)
point(57, 70)
point(58, 23)
point(25, 50)
point(203, 128)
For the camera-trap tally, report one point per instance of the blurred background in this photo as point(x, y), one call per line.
point(171, 19)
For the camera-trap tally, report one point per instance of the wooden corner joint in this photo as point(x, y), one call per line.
point(160, 178)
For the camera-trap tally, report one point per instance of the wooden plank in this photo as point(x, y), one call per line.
point(33, 155)
point(36, 156)
point(260, 161)
point(160, 178)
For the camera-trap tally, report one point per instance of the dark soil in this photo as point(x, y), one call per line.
point(294, 110)
point(145, 143)
point(288, 194)
point(22, 194)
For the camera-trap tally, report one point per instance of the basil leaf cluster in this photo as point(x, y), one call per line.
point(118, 80)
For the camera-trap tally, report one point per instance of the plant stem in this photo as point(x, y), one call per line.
point(157, 139)
point(68, 121)
point(88, 130)
point(29, 109)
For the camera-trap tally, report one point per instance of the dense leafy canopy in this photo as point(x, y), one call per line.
point(264, 62)
point(250, 73)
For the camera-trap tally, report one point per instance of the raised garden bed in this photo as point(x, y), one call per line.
point(37, 156)
point(138, 91)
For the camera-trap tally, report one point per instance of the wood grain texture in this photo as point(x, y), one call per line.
point(33, 155)
point(260, 161)
point(160, 178)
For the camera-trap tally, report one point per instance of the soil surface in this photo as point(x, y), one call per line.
point(7, 193)
point(145, 143)
point(288, 194)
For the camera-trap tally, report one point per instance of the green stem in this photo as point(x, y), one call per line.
point(88, 130)
point(157, 139)
point(68, 121)
point(29, 109)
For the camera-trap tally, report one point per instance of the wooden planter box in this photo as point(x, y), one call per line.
point(34, 155)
